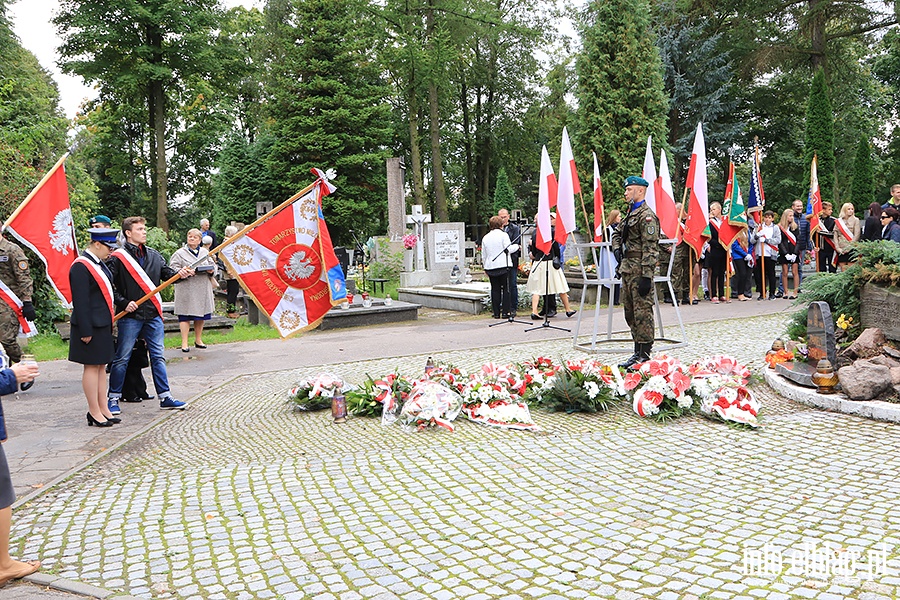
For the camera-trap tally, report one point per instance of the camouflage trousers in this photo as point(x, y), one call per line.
point(9, 331)
point(681, 270)
point(638, 311)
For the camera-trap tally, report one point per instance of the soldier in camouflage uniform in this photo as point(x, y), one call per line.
point(15, 274)
point(636, 247)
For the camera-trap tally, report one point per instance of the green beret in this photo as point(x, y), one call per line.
point(635, 180)
point(100, 219)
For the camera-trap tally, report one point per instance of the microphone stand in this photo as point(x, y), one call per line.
point(546, 324)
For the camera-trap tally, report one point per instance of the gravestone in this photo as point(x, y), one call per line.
point(396, 198)
point(877, 301)
point(445, 247)
point(819, 341)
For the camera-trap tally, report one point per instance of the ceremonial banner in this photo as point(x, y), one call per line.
point(287, 263)
point(599, 218)
point(546, 193)
point(734, 218)
point(814, 202)
point(43, 222)
point(756, 199)
point(567, 187)
point(649, 173)
point(696, 227)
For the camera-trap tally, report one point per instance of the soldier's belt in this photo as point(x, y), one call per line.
point(633, 254)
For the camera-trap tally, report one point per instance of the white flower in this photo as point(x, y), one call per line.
point(592, 389)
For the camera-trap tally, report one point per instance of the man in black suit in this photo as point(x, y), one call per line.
point(515, 236)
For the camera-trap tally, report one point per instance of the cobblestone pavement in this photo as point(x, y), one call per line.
point(241, 497)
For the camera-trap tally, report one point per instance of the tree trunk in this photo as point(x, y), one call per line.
point(467, 144)
point(156, 98)
point(434, 124)
point(415, 155)
point(817, 33)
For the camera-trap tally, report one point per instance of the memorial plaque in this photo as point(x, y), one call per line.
point(820, 333)
point(876, 301)
point(446, 246)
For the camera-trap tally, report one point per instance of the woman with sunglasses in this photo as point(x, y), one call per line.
point(890, 228)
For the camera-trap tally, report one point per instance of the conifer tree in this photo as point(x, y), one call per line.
point(620, 88)
point(328, 108)
point(862, 188)
point(820, 135)
point(503, 192)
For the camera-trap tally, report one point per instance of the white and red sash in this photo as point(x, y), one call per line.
point(26, 327)
point(844, 229)
point(790, 236)
point(140, 276)
point(102, 281)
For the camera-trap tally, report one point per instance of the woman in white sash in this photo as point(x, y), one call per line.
point(788, 253)
point(91, 340)
point(847, 230)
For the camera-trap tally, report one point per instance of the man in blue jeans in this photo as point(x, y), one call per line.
point(136, 271)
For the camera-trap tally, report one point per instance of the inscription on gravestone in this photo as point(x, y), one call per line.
point(820, 334)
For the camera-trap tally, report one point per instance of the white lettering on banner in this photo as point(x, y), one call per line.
point(446, 246)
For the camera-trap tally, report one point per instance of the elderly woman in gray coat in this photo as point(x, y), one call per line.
point(194, 295)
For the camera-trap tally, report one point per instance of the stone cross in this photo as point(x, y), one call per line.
point(418, 220)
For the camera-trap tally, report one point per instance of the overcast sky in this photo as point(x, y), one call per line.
point(31, 23)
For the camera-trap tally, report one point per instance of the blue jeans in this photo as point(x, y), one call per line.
point(129, 330)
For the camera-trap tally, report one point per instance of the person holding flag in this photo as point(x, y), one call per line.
point(636, 248)
point(788, 252)
point(137, 271)
point(717, 255)
point(826, 256)
point(91, 341)
point(766, 238)
point(15, 277)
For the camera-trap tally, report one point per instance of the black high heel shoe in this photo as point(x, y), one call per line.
point(92, 421)
point(114, 420)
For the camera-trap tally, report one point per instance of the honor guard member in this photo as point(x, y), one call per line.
point(15, 274)
point(636, 247)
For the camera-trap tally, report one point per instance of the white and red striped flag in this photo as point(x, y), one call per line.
point(665, 200)
point(287, 263)
point(599, 218)
point(546, 193)
point(43, 222)
point(696, 227)
point(649, 173)
point(567, 187)
point(814, 201)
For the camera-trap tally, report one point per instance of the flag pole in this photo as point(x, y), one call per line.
point(28, 198)
point(225, 243)
point(690, 248)
point(587, 223)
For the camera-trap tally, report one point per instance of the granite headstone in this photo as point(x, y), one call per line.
point(820, 334)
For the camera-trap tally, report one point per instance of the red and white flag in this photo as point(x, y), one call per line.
point(814, 202)
point(26, 327)
point(599, 218)
point(567, 188)
point(696, 227)
point(665, 200)
point(546, 192)
point(43, 222)
point(649, 174)
point(287, 263)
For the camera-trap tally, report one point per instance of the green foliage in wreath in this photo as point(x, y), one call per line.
point(570, 394)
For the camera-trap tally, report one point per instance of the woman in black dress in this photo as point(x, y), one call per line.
point(91, 339)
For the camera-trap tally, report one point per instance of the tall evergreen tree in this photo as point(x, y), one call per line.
point(862, 186)
point(620, 87)
point(503, 192)
point(328, 107)
point(820, 135)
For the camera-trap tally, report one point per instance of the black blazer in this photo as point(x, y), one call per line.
point(89, 308)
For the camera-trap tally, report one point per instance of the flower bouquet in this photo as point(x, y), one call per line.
point(410, 240)
point(430, 404)
point(378, 395)
point(719, 382)
point(493, 398)
point(580, 386)
point(315, 393)
point(450, 376)
point(721, 364)
point(659, 388)
point(537, 375)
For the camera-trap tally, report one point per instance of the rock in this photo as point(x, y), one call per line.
point(868, 344)
point(864, 380)
point(895, 376)
point(891, 351)
point(885, 361)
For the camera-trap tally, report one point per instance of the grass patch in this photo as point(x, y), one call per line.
point(49, 346)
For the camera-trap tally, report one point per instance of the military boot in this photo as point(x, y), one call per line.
point(644, 351)
point(633, 359)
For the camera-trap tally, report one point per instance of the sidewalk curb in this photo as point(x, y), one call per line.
point(75, 587)
point(868, 409)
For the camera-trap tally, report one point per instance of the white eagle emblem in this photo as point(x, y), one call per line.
point(299, 267)
point(61, 234)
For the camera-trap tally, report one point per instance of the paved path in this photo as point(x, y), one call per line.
point(240, 497)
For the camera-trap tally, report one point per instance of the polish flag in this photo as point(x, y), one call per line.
point(665, 200)
point(567, 188)
point(696, 228)
point(547, 190)
point(814, 202)
point(599, 218)
point(650, 175)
